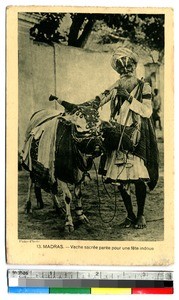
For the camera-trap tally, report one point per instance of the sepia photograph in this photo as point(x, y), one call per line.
point(92, 129)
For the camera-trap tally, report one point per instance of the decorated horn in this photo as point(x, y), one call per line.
point(52, 97)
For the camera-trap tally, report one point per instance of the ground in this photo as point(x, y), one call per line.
point(104, 213)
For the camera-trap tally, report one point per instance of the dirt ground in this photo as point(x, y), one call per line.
point(105, 214)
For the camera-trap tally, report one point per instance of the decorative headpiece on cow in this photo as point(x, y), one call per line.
point(88, 110)
point(84, 119)
point(88, 141)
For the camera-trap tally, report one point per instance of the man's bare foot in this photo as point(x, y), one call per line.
point(140, 223)
point(127, 223)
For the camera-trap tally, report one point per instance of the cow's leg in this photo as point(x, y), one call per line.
point(38, 194)
point(28, 205)
point(57, 204)
point(69, 227)
point(78, 209)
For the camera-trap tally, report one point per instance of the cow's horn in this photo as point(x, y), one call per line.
point(52, 97)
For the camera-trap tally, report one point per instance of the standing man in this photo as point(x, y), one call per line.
point(131, 107)
point(131, 104)
point(156, 109)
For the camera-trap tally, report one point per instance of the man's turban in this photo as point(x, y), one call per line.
point(123, 52)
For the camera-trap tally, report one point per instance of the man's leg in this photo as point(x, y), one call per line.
point(131, 218)
point(140, 189)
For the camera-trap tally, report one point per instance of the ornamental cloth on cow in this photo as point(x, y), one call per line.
point(38, 154)
point(50, 150)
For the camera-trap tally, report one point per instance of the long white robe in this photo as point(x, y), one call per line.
point(133, 167)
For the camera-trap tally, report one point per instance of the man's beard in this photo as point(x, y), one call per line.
point(128, 82)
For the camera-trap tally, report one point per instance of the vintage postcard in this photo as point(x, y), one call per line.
point(89, 131)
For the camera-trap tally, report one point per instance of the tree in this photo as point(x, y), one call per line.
point(47, 29)
point(144, 29)
point(82, 22)
point(147, 30)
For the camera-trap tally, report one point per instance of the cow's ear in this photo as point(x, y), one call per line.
point(96, 102)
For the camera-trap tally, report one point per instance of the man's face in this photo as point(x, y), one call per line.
point(125, 65)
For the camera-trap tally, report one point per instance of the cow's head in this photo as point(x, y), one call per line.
point(86, 128)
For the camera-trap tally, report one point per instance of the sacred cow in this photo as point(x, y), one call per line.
point(61, 146)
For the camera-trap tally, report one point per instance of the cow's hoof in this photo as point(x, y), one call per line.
point(83, 219)
point(69, 228)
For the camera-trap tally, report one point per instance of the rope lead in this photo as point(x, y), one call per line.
point(115, 201)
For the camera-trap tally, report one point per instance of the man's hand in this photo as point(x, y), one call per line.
point(123, 92)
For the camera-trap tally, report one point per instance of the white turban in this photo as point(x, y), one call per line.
point(123, 52)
